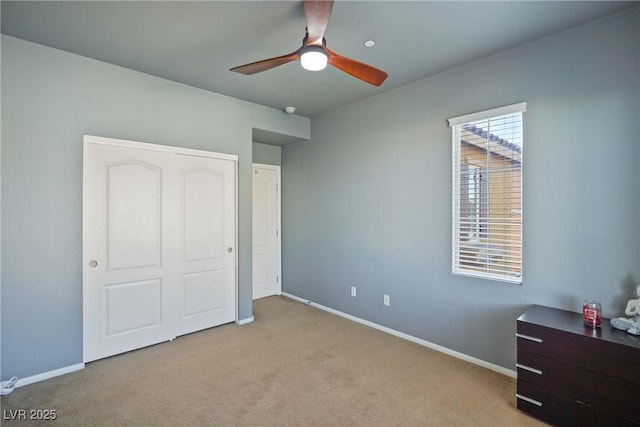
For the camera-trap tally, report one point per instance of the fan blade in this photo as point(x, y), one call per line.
point(317, 14)
point(267, 64)
point(357, 69)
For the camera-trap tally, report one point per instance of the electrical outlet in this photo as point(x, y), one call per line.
point(387, 300)
point(353, 291)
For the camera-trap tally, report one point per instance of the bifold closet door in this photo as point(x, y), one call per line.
point(158, 246)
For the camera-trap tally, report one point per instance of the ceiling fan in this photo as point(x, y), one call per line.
point(314, 53)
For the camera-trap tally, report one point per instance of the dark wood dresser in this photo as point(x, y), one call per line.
point(573, 375)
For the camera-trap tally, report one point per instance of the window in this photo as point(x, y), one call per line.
point(487, 194)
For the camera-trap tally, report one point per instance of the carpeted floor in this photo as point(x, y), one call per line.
point(294, 366)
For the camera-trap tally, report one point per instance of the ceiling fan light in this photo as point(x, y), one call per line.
point(314, 58)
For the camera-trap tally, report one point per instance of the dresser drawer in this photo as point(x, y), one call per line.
point(558, 410)
point(610, 394)
point(609, 358)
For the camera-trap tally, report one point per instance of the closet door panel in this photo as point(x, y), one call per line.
point(128, 249)
point(206, 243)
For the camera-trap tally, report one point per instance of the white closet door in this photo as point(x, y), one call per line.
point(128, 249)
point(206, 243)
point(158, 245)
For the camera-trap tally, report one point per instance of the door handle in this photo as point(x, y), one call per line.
point(229, 250)
point(93, 263)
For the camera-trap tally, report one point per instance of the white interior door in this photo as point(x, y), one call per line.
point(266, 230)
point(128, 248)
point(206, 243)
point(142, 206)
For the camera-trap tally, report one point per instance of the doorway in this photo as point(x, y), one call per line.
point(266, 222)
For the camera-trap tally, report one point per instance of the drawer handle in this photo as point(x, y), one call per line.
point(527, 337)
point(529, 368)
point(528, 399)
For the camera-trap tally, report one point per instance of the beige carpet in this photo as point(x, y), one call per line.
point(294, 366)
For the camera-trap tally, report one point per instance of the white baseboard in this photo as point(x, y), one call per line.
point(50, 374)
point(420, 341)
point(245, 321)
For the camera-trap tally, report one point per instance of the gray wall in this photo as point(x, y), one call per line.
point(367, 202)
point(267, 154)
point(49, 100)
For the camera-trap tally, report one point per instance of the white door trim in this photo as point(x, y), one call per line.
point(278, 170)
point(157, 147)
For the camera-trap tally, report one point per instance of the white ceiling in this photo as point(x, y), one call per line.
point(196, 43)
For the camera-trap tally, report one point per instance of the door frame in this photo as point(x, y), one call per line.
point(98, 140)
point(278, 170)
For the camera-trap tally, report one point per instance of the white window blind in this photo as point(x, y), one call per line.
point(487, 194)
